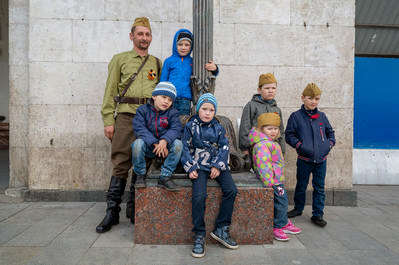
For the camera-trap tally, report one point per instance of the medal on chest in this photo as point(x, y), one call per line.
point(151, 75)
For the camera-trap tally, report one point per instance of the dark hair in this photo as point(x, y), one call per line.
point(133, 29)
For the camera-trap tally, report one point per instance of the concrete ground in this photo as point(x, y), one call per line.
point(64, 233)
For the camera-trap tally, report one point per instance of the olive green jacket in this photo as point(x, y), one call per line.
point(249, 119)
point(120, 69)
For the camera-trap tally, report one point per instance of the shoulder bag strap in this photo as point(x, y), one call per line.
point(159, 70)
point(134, 76)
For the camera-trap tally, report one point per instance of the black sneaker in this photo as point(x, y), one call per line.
point(293, 213)
point(167, 183)
point(140, 182)
point(318, 220)
point(199, 247)
point(222, 235)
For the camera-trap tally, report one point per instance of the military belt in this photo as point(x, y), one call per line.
point(130, 100)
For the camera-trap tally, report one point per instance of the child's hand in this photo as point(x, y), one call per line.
point(161, 149)
point(193, 175)
point(214, 173)
point(210, 66)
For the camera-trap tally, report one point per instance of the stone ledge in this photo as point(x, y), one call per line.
point(337, 197)
point(164, 217)
point(333, 197)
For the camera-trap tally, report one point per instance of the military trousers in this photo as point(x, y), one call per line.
point(121, 150)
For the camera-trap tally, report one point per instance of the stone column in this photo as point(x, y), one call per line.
point(202, 80)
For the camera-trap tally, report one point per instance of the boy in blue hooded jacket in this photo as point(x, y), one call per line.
point(178, 69)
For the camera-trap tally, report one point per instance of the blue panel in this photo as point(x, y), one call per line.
point(376, 108)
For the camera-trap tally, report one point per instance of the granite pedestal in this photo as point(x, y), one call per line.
point(164, 217)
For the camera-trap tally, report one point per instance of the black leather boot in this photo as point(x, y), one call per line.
point(130, 207)
point(114, 199)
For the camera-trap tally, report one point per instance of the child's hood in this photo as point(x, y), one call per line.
point(255, 137)
point(175, 52)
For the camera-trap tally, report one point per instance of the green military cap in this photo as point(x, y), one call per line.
point(269, 118)
point(311, 90)
point(266, 79)
point(141, 21)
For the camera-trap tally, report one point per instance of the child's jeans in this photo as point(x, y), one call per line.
point(229, 190)
point(140, 150)
point(183, 105)
point(280, 206)
point(303, 171)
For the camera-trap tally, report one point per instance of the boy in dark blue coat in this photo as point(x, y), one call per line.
point(178, 69)
point(158, 128)
point(205, 154)
point(310, 133)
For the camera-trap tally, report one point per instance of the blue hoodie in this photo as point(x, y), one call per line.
point(178, 70)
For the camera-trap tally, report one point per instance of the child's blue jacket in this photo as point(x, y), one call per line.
point(178, 70)
point(310, 134)
point(152, 125)
point(205, 145)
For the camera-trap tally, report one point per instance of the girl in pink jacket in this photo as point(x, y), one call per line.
point(269, 167)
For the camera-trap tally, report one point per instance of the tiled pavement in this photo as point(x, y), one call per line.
point(64, 233)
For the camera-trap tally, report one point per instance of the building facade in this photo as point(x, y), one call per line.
point(59, 52)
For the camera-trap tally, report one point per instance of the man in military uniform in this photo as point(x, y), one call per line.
point(132, 77)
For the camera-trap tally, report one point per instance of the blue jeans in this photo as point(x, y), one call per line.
point(280, 206)
point(183, 105)
point(140, 150)
point(229, 190)
point(303, 171)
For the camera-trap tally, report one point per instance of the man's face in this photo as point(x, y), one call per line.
point(268, 91)
point(310, 103)
point(141, 37)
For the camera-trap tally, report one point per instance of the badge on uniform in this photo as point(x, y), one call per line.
point(151, 74)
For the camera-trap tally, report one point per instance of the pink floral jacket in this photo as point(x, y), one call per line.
point(267, 158)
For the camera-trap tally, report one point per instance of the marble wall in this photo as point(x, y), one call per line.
point(59, 51)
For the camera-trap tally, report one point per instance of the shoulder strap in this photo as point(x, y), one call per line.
point(159, 69)
point(134, 76)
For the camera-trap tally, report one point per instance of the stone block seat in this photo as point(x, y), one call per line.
point(164, 217)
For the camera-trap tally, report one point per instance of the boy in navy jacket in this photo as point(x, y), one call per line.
point(310, 133)
point(205, 154)
point(158, 128)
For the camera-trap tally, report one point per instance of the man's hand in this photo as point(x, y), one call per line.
point(109, 131)
point(210, 66)
point(246, 152)
point(214, 173)
point(161, 148)
point(193, 175)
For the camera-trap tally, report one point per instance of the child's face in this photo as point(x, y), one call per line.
point(206, 112)
point(270, 131)
point(268, 91)
point(310, 103)
point(162, 102)
point(183, 47)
